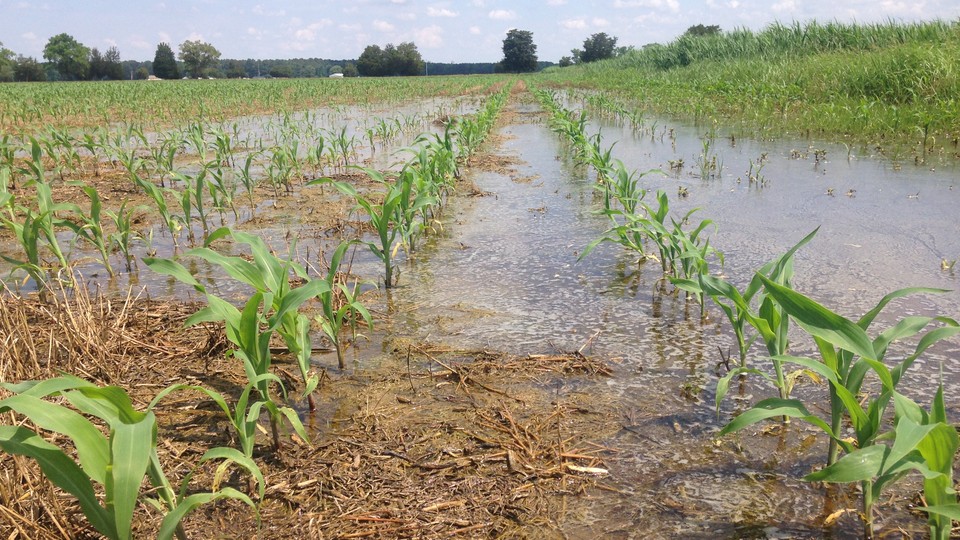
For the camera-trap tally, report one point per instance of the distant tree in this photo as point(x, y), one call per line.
point(350, 70)
point(596, 47)
point(403, 59)
point(105, 66)
point(29, 70)
point(141, 73)
point(235, 70)
point(370, 63)
point(701, 30)
point(565, 61)
point(164, 63)
point(335, 69)
point(199, 58)
point(282, 71)
point(7, 64)
point(519, 52)
point(70, 57)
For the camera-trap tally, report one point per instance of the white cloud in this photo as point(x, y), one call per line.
point(600, 22)
point(672, 5)
point(383, 26)
point(408, 16)
point(784, 6)
point(309, 32)
point(430, 37)
point(164, 37)
point(502, 14)
point(556, 2)
point(259, 10)
point(574, 24)
point(475, 30)
point(440, 12)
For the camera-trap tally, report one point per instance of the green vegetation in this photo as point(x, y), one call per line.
point(879, 84)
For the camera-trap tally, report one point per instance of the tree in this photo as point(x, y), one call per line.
point(164, 64)
point(565, 61)
point(7, 64)
point(198, 57)
point(235, 70)
point(29, 70)
point(403, 59)
point(68, 56)
point(141, 73)
point(519, 52)
point(596, 47)
point(281, 72)
point(701, 30)
point(105, 66)
point(350, 70)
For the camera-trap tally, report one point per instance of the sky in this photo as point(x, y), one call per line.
point(444, 31)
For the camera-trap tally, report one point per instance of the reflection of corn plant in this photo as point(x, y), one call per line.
point(117, 461)
point(340, 304)
point(848, 355)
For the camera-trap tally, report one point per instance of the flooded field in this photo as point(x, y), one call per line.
point(500, 273)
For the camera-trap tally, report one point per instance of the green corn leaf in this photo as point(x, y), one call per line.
point(131, 447)
point(772, 408)
point(232, 455)
point(168, 526)
point(61, 470)
point(859, 465)
point(174, 269)
point(92, 448)
point(820, 322)
point(239, 269)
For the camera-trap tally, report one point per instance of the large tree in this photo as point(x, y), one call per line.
point(403, 59)
point(105, 66)
point(7, 64)
point(519, 52)
point(701, 30)
point(198, 57)
point(164, 63)
point(70, 57)
point(596, 47)
point(29, 70)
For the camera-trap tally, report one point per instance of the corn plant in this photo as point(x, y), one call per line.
point(245, 414)
point(118, 461)
point(340, 304)
point(847, 356)
point(272, 309)
point(90, 227)
point(382, 218)
point(122, 239)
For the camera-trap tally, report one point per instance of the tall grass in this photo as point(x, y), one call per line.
point(888, 83)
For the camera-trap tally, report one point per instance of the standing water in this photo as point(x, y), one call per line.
point(507, 276)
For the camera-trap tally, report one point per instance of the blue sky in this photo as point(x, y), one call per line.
point(444, 31)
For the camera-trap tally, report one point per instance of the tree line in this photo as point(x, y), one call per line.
point(69, 60)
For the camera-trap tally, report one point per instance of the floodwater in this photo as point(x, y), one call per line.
point(506, 276)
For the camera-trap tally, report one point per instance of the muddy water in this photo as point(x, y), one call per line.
point(507, 276)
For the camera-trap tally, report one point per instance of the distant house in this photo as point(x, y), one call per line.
point(336, 75)
point(154, 78)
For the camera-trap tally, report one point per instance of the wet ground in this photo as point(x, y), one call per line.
point(504, 275)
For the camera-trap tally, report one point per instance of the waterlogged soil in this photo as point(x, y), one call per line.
point(511, 389)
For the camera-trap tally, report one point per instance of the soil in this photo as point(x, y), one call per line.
point(429, 442)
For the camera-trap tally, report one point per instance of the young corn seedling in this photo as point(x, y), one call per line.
point(272, 309)
point(848, 355)
point(89, 226)
point(123, 238)
point(382, 218)
point(340, 304)
point(118, 461)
